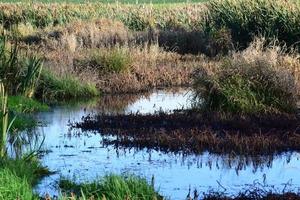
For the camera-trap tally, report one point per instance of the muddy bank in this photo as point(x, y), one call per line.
point(191, 132)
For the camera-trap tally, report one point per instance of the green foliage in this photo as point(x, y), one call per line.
point(247, 84)
point(17, 177)
point(55, 88)
point(112, 187)
point(28, 168)
point(13, 187)
point(19, 75)
point(136, 17)
point(248, 18)
point(114, 60)
point(22, 104)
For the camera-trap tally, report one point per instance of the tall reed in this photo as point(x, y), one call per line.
point(4, 117)
point(16, 77)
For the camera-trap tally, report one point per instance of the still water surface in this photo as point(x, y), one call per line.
point(81, 155)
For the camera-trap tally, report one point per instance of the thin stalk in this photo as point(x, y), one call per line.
point(4, 116)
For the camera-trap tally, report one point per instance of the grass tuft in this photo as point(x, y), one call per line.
point(112, 187)
point(54, 88)
point(257, 80)
point(17, 177)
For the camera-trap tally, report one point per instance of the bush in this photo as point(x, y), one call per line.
point(256, 80)
point(113, 187)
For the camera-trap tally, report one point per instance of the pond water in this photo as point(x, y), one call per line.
point(82, 156)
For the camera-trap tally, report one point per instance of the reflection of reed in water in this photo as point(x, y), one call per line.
point(118, 103)
point(25, 142)
point(210, 160)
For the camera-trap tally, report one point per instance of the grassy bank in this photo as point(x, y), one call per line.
point(17, 178)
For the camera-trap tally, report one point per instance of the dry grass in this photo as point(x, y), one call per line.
point(193, 132)
point(151, 67)
point(262, 78)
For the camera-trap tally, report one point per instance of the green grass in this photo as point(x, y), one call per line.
point(115, 60)
point(52, 88)
point(112, 187)
point(255, 81)
point(22, 104)
point(17, 178)
point(13, 187)
point(272, 19)
point(112, 1)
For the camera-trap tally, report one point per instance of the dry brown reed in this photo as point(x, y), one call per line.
point(193, 132)
point(151, 67)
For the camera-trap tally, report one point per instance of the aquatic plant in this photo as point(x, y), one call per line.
point(112, 187)
point(16, 77)
point(193, 132)
point(18, 74)
point(254, 191)
point(4, 118)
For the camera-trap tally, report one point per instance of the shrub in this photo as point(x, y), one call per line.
point(257, 80)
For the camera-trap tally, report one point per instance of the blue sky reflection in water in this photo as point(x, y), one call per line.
point(82, 157)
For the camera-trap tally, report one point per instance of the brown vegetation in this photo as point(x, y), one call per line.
point(191, 132)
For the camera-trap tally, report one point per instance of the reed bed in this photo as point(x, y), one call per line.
point(147, 68)
point(263, 78)
point(272, 19)
point(192, 132)
point(135, 17)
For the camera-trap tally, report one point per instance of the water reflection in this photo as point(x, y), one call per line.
point(83, 156)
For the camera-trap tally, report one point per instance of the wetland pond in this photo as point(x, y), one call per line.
point(82, 156)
